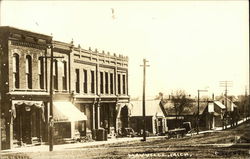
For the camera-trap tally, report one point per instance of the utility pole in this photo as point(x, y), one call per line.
point(245, 108)
point(226, 84)
point(51, 122)
point(143, 98)
point(198, 110)
point(0, 12)
point(1, 53)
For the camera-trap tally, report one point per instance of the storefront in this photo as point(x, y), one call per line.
point(28, 121)
point(68, 120)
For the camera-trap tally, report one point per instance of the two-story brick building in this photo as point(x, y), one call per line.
point(90, 88)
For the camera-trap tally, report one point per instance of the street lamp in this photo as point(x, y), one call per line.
point(198, 111)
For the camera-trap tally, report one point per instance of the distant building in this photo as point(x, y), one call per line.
point(156, 122)
point(212, 115)
point(90, 87)
point(189, 114)
point(217, 114)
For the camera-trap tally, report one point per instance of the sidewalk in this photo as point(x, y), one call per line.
point(44, 148)
point(227, 127)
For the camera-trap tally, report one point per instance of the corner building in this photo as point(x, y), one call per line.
point(90, 89)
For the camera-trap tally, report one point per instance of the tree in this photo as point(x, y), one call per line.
point(180, 101)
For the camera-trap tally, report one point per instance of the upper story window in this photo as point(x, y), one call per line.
point(106, 83)
point(29, 71)
point(16, 70)
point(111, 83)
point(55, 74)
point(41, 72)
point(77, 76)
point(123, 84)
point(119, 83)
point(85, 81)
point(92, 81)
point(64, 75)
point(101, 82)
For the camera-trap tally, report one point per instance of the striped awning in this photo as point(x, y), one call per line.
point(67, 112)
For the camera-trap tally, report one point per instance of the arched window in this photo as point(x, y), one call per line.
point(55, 74)
point(92, 81)
point(29, 71)
point(64, 75)
point(16, 71)
point(111, 83)
point(123, 84)
point(77, 76)
point(119, 84)
point(41, 72)
point(106, 83)
point(101, 83)
point(85, 81)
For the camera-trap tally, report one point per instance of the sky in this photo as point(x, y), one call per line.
point(189, 45)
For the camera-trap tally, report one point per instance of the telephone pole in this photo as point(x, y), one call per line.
point(51, 90)
point(1, 53)
point(198, 110)
point(143, 98)
point(246, 102)
point(226, 84)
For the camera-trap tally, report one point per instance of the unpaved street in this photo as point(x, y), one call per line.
point(232, 143)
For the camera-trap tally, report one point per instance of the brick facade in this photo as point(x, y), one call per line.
point(100, 107)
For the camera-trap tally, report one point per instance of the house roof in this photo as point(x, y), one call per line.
point(230, 104)
point(152, 108)
point(222, 106)
point(190, 110)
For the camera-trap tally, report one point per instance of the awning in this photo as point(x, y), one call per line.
point(67, 112)
point(38, 104)
point(29, 103)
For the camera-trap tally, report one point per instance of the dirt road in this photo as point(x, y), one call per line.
point(231, 143)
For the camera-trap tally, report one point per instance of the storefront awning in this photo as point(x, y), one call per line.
point(27, 102)
point(38, 104)
point(67, 112)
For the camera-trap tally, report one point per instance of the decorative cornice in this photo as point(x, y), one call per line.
point(101, 65)
point(84, 62)
point(60, 50)
point(26, 44)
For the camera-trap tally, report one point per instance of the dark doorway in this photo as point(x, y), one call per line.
point(160, 125)
point(124, 117)
point(27, 124)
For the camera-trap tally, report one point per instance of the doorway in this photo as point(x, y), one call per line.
point(27, 124)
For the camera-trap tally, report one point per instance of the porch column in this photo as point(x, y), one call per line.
point(108, 118)
point(31, 123)
point(39, 125)
point(93, 116)
point(20, 127)
point(98, 115)
point(117, 107)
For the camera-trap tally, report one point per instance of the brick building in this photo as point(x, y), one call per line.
point(90, 88)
